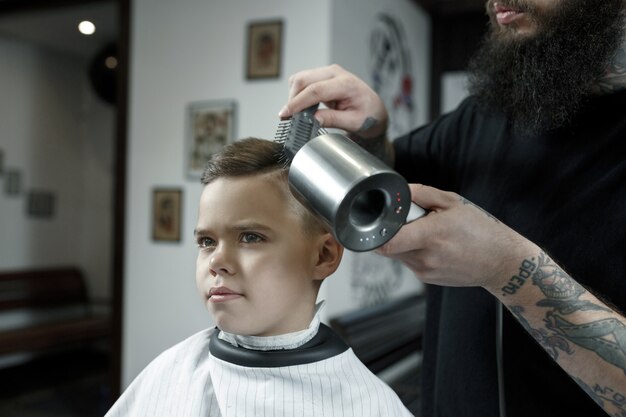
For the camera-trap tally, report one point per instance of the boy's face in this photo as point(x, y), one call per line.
point(256, 269)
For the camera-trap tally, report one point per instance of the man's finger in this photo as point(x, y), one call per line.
point(431, 198)
point(338, 118)
point(323, 91)
point(301, 79)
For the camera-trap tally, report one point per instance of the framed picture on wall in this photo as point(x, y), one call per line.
point(166, 214)
point(264, 49)
point(40, 204)
point(210, 126)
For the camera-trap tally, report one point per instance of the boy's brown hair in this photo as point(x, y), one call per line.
point(251, 157)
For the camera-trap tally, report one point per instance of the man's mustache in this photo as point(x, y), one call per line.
point(518, 5)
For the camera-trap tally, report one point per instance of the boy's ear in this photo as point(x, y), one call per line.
point(329, 254)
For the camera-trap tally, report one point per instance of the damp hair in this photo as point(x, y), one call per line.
point(254, 157)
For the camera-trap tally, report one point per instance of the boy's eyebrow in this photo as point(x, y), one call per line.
point(250, 225)
point(237, 227)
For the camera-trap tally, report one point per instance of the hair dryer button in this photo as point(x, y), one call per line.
point(398, 209)
point(383, 231)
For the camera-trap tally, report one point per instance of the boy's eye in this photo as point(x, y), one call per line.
point(251, 238)
point(205, 242)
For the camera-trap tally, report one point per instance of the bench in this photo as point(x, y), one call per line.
point(46, 309)
point(387, 338)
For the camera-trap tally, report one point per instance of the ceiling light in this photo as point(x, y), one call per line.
point(86, 27)
point(110, 62)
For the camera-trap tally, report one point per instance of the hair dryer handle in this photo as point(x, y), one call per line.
point(415, 212)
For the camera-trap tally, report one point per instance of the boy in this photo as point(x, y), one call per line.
point(262, 258)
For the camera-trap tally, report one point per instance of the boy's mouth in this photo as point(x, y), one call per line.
point(222, 294)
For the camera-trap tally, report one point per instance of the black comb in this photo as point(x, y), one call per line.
point(296, 131)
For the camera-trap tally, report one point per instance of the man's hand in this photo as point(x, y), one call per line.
point(457, 243)
point(352, 105)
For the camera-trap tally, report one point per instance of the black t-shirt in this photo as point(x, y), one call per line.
point(565, 191)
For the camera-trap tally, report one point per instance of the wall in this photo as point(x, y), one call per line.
point(189, 51)
point(453, 90)
point(367, 278)
point(353, 23)
point(54, 130)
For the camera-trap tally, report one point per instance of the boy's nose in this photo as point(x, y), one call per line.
point(220, 262)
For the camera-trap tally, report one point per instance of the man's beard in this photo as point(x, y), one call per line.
point(539, 81)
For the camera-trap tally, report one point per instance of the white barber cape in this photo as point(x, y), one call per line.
point(207, 375)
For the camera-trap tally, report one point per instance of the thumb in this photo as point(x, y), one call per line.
point(413, 236)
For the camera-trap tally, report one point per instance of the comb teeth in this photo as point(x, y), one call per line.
point(296, 131)
point(283, 130)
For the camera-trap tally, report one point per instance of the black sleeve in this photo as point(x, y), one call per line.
point(430, 154)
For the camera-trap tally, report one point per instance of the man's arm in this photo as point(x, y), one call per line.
point(584, 335)
point(458, 244)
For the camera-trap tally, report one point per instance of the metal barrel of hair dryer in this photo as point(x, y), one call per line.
point(361, 199)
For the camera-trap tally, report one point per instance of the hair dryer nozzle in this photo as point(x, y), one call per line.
point(363, 201)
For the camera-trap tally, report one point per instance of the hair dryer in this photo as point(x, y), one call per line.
point(362, 200)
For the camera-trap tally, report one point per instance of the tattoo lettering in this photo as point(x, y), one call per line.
point(561, 290)
point(526, 270)
point(606, 337)
point(613, 402)
point(551, 343)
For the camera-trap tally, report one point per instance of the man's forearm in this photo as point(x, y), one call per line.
point(581, 333)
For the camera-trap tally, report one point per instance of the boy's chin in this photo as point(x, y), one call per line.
point(226, 326)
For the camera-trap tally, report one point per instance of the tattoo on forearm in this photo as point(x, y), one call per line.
point(550, 342)
point(526, 269)
point(561, 291)
point(613, 401)
point(605, 337)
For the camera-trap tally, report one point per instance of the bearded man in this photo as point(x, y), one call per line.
point(524, 298)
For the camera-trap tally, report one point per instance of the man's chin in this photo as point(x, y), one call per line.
point(540, 78)
point(513, 32)
point(521, 30)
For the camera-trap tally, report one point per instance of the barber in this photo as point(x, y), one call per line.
point(538, 152)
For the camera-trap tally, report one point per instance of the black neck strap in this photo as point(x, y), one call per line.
point(324, 345)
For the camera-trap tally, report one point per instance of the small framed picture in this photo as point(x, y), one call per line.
point(40, 204)
point(166, 214)
point(264, 49)
point(210, 126)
